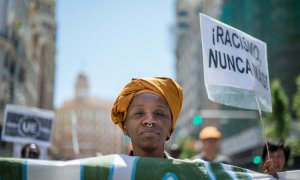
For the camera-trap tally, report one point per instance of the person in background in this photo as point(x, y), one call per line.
point(279, 156)
point(31, 151)
point(210, 137)
point(175, 150)
point(146, 110)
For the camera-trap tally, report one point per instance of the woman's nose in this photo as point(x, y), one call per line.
point(149, 119)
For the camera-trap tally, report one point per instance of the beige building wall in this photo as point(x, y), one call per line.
point(42, 49)
point(83, 126)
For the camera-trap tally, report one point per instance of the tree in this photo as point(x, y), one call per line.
point(296, 103)
point(187, 145)
point(277, 123)
point(294, 142)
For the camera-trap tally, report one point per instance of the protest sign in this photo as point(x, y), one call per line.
point(27, 125)
point(235, 66)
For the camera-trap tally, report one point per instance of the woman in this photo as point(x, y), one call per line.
point(146, 110)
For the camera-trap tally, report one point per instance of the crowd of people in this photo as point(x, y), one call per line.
point(147, 109)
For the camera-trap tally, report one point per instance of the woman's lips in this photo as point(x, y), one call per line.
point(149, 133)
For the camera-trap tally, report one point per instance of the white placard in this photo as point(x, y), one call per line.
point(235, 66)
point(27, 125)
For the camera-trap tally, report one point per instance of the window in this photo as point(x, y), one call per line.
point(6, 60)
point(183, 25)
point(12, 68)
point(183, 13)
point(21, 75)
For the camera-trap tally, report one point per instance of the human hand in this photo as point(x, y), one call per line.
point(268, 168)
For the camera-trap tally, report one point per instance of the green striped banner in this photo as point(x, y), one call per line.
point(12, 169)
point(123, 167)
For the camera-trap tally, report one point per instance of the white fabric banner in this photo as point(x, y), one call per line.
point(115, 167)
point(235, 66)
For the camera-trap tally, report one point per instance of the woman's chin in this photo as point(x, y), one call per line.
point(149, 146)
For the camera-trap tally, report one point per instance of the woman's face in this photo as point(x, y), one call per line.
point(148, 109)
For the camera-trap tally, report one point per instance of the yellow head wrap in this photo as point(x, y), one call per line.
point(168, 89)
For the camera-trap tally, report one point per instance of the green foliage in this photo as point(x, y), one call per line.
point(278, 122)
point(296, 103)
point(294, 143)
point(187, 145)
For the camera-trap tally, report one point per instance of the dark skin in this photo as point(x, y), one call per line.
point(275, 164)
point(148, 109)
point(268, 168)
point(278, 160)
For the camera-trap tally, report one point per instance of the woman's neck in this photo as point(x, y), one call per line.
point(156, 153)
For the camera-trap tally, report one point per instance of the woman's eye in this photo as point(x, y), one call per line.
point(160, 114)
point(138, 113)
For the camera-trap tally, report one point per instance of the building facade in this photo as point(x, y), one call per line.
point(276, 23)
point(42, 50)
point(27, 55)
point(83, 126)
point(189, 65)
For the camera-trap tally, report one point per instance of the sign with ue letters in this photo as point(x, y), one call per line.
point(27, 125)
point(235, 66)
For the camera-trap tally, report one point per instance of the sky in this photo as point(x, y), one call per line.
point(112, 42)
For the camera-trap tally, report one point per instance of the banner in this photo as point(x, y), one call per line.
point(27, 125)
point(123, 167)
point(235, 66)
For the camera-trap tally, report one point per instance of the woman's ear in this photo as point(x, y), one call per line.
point(125, 130)
point(169, 135)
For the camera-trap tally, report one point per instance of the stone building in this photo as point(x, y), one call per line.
point(27, 55)
point(83, 126)
point(189, 65)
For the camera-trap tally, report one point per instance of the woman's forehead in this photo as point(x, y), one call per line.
point(142, 99)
